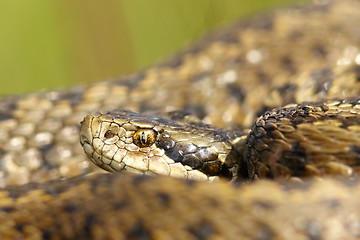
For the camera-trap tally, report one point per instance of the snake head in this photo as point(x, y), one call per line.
point(122, 140)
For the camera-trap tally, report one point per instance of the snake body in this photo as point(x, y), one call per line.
point(306, 55)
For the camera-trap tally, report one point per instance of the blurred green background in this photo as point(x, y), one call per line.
point(50, 44)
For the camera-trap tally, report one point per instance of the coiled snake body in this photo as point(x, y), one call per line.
point(307, 55)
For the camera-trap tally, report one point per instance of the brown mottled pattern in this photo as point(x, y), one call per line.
point(310, 139)
point(309, 53)
point(143, 207)
point(294, 141)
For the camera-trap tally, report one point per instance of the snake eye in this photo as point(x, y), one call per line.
point(144, 137)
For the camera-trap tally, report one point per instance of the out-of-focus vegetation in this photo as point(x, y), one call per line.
point(47, 44)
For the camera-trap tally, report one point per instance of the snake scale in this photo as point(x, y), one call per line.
point(305, 58)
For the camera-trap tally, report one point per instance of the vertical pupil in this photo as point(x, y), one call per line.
point(143, 138)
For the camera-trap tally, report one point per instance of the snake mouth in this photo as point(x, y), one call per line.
point(85, 132)
point(83, 139)
point(86, 137)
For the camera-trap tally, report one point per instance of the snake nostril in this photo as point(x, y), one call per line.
point(109, 134)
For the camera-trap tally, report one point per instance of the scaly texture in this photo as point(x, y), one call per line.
point(289, 56)
point(295, 141)
point(227, 79)
point(143, 207)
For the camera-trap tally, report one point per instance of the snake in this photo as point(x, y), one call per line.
point(251, 133)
